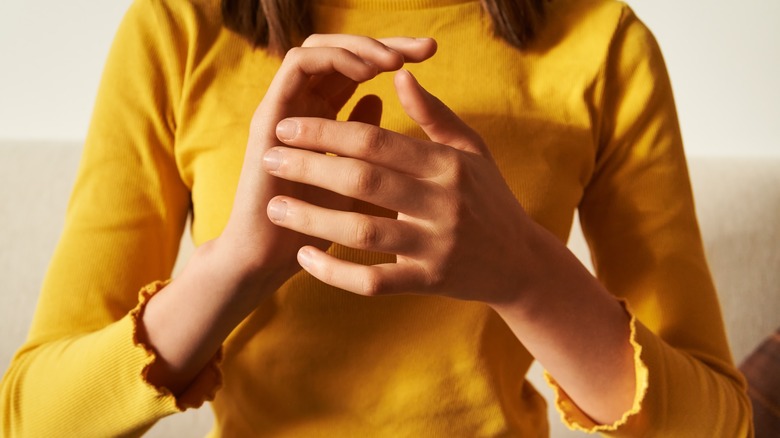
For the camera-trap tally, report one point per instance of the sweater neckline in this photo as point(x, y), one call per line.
point(390, 5)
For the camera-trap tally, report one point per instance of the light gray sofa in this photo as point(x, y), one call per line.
point(738, 201)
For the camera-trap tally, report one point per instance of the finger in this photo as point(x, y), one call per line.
point(414, 49)
point(367, 110)
point(300, 63)
point(368, 49)
point(390, 53)
point(353, 230)
point(418, 158)
point(436, 119)
point(382, 279)
point(338, 88)
point(356, 179)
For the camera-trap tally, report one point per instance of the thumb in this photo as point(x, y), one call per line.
point(434, 117)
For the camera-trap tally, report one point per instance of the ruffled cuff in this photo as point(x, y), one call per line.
point(575, 419)
point(205, 385)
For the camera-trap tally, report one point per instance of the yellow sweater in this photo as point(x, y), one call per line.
point(584, 119)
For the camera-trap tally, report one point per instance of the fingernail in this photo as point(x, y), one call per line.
point(286, 130)
point(277, 210)
point(272, 160)
point(305, 258)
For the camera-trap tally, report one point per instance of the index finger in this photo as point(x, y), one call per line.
point(411, 49)
point(411, 156)
point(357, 58)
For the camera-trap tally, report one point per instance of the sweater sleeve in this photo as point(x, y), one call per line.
point(638, 217)
point(81, 371)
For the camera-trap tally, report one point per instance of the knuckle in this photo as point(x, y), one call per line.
point(301, 218)
point(463, 215)
point(434, 280)
point(472, 137)
point(459, 172)
point(374, 139)
point(312, 40)
point(295, 165)
point(456, 214)
point(303, 168)
point(343, 55)
point(434, 276)
point(312, 131)
point(293, 55)
point(457, 167)
point(372, 283)
point(367, 181)
point(366, 234)
point(319, 133)
point(326, 274)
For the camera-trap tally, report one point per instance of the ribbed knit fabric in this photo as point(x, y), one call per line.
point(584, 118)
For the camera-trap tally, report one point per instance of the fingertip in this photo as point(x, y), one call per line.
point(408, 88)
point(411, 49)
point(272, 159)
point(431, 46)
point(404, 77)
point(287, 129)
point(403, 73)
point(424, 48)
point(396, 60)
point(277, 209)
point(306, 257)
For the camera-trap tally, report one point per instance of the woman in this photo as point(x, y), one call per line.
point(416, 323)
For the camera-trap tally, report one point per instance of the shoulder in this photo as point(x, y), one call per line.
point(588, 25)
point(589, 34)
point(180, 34)
point(598, 17)
point(182, 20)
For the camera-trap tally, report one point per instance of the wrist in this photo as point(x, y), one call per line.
point(242, 279)
point(548, 275)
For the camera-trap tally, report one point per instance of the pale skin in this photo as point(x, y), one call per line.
point(555, 307)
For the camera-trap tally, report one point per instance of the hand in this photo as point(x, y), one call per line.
point(314, 80)
point(459, 232)
point(226, 278)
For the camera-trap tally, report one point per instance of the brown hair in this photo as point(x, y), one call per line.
point(278, 24)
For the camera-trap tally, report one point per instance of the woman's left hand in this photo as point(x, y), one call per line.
point(459, 231)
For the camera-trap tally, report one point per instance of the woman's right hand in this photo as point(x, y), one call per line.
point(226, 278)
point(314, 80)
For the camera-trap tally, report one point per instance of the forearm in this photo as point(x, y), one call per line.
point(187, 321)
point(576, 330)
